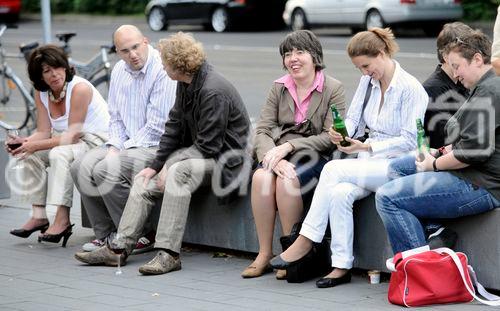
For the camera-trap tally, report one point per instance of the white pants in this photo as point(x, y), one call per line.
point(341, 183)
point(40, 186)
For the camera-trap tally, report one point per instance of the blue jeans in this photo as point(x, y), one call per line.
point(404, 166)
point(403, 202)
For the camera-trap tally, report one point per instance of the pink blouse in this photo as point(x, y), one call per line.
point(301, 107)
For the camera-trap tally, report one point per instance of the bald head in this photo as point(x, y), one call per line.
point(131, 46)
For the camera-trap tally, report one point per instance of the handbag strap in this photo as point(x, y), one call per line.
point(490, 299)
point(365, 102)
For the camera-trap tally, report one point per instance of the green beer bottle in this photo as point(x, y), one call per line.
point(421, 141)
point(339, 126)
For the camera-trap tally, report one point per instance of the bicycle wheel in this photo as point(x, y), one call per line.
point(102, 85)
point(16, 105)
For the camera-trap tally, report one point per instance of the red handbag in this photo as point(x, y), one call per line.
point(422, 277)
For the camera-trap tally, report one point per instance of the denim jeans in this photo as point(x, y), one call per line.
point(403, 202)
point(404, 166)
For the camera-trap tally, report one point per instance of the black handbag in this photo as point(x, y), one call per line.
point(316, 263)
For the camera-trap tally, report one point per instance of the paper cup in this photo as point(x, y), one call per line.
point(374, 276)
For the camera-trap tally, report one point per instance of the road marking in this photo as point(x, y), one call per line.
point(234, 48)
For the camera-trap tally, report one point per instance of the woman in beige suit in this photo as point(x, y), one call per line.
point(291, 143)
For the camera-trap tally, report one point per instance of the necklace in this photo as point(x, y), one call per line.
point(61, 96)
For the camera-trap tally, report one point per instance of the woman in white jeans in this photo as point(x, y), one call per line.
point(394, 100)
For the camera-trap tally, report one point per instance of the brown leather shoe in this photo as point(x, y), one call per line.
point(281, 274)
point(253, 271)
point(101, 256)
point(160, 264)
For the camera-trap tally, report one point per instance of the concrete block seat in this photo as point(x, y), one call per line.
point(232, 227)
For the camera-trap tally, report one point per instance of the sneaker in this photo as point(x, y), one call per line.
point(101, 256)
point(162, 263)
point(93, 245)
point(145, 244)
point(443, 237)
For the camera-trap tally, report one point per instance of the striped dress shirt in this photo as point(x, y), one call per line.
point(139, 102)
point(393, 129)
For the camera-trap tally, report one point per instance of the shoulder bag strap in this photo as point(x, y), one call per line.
point(365, 102)
point(491, 300)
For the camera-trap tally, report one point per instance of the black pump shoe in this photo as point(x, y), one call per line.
point(23, 233)
point(331, 282)
point(55, 238)
point(278, 263)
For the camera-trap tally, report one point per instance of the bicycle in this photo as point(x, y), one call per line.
point(9, 81)
point(90, 70)
point(12, 91)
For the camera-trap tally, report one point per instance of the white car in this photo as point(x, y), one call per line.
point(364, 14)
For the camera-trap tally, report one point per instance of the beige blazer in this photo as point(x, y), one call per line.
point(277, 125)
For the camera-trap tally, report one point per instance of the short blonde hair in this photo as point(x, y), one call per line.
point(372, 42)
point(182, 53)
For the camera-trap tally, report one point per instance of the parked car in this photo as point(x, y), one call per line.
point(9, 10)
point(361, 14)
point(217, 15)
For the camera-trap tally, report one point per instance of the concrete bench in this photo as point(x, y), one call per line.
point(232, 227)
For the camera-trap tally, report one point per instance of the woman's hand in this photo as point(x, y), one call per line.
point(26, 149)
point(355, 147)
point(285, 169)
point(273, 156)
point(335, 137)
point(426, 164)
point(13, 140)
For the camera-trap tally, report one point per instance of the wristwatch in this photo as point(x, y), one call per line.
point(434, 165)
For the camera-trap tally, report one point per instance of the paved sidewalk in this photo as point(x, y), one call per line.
point(45, 276)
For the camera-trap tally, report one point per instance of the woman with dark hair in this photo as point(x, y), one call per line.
point(388, 101)
point(72, 117)
point(291, 142)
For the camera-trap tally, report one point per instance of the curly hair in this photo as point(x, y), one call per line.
point(303, 40)
point(372, 42)
point(50, 55)
point(182, 53)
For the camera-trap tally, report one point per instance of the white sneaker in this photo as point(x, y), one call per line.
point(93, 245)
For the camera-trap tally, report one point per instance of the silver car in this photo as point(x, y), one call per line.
point(364, 14)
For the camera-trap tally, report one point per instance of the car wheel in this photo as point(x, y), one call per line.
point(220, 20)
point(157, 20)
point(374, 19)
point(299, 20)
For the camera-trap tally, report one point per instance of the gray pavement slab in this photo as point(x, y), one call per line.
point(44, 276)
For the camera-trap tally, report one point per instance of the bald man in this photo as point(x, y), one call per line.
point(140, 98)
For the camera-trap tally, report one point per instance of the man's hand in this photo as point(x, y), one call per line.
point(426, 164)
point(147, 174)
point(161, 180)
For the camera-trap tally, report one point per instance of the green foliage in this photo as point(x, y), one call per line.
point(113, 7)
point(480, 9)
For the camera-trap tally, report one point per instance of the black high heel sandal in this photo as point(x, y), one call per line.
point(55, 238)
point(23, 233)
